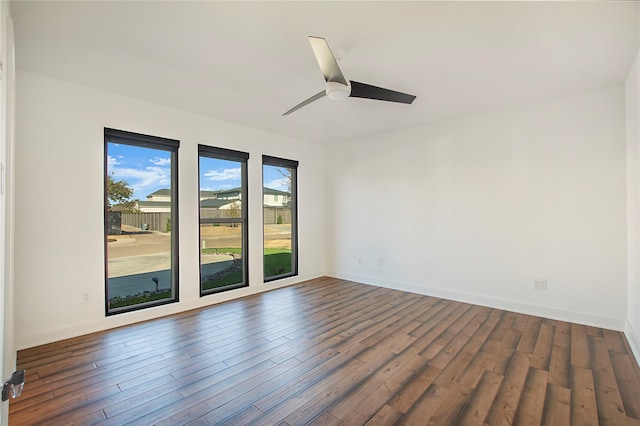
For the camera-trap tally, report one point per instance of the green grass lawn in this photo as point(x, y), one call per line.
point(119, 302)
point(276, 262)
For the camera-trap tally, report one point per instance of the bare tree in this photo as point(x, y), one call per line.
point(234, 209)
point(286, 173)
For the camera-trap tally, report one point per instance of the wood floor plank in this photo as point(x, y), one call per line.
point(481, 316)
point(505, 405)
point(595, 332)
point(521, 322)
point(426, 406)
point(504, 351)
point(541, 356)
point(386, 416)
point(344, 362)
point(368, 407)
point(198, 422)
point(323, 401)
point(498, 333)
point(580, 346)
point(531, 404)
point(449, 351)
point(474, 370)
point(633, 422)
point(602, 369)
point(374, 380)
point(610, 407)
point(411, 392)
point(560, 363)
point(584, 410)
point(530, 335)
point(330, 351)
point(627, 382)
point(245, 416)
point(74, 419)
point(557, 406)
point(221, 395)
point(481, 399)
point(615, 341)
point(233, 407)
point(324, 419)
point(279, 409)
point(449, 410)
point(486, 328)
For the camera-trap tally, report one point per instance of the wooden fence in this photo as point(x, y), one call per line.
point(160, 221)
point(276, 215)
point(148, 221)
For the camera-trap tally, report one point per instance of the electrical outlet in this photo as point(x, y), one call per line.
point(380, 262)
point(85, 297)
point(539, 284)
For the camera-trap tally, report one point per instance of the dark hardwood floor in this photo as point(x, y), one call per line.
point(334, 352)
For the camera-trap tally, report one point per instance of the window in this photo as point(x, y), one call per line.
point(223, 219)
point(141, 221)
point(280, 199)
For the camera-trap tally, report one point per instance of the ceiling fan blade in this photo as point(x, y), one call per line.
point(326, 60)
point(307, 102)
point(361, 90)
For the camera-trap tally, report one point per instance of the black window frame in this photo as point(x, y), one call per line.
point(242, 158)
point(268, 160)
point(159, 143)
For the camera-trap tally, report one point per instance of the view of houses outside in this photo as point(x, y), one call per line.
point(222, 218)
point(139, 224)
point(138, 259)
point(277, 205)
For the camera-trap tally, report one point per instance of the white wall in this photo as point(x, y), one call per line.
point(59, 251)
point(7, 197)
point(473, 209)
point(632, 92)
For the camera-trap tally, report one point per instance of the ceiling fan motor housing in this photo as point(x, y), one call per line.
point(337, 91)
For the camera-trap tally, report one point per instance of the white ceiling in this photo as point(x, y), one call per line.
point(248, 62)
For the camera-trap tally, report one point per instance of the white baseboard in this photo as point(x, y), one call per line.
point(634, 340)
point(24, 341)
point(617, 324)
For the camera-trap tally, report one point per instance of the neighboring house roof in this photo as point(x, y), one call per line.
point(214, 194)
point(272, 191)
point(215, 203)
point(208, 194)
point(163, 192)
point(266, 190)
point(228, 192)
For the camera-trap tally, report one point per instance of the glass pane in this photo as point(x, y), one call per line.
point(220, 188)
point(278, 259)
point(221, 255)
point(139, 225)
point(222, 260)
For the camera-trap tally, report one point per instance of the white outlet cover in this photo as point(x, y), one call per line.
point(539, 284)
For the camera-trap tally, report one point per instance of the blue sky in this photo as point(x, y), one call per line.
point(147, 170)
point(274, 179)
point(223, 174)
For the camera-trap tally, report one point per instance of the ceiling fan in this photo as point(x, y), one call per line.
point(338, 87)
